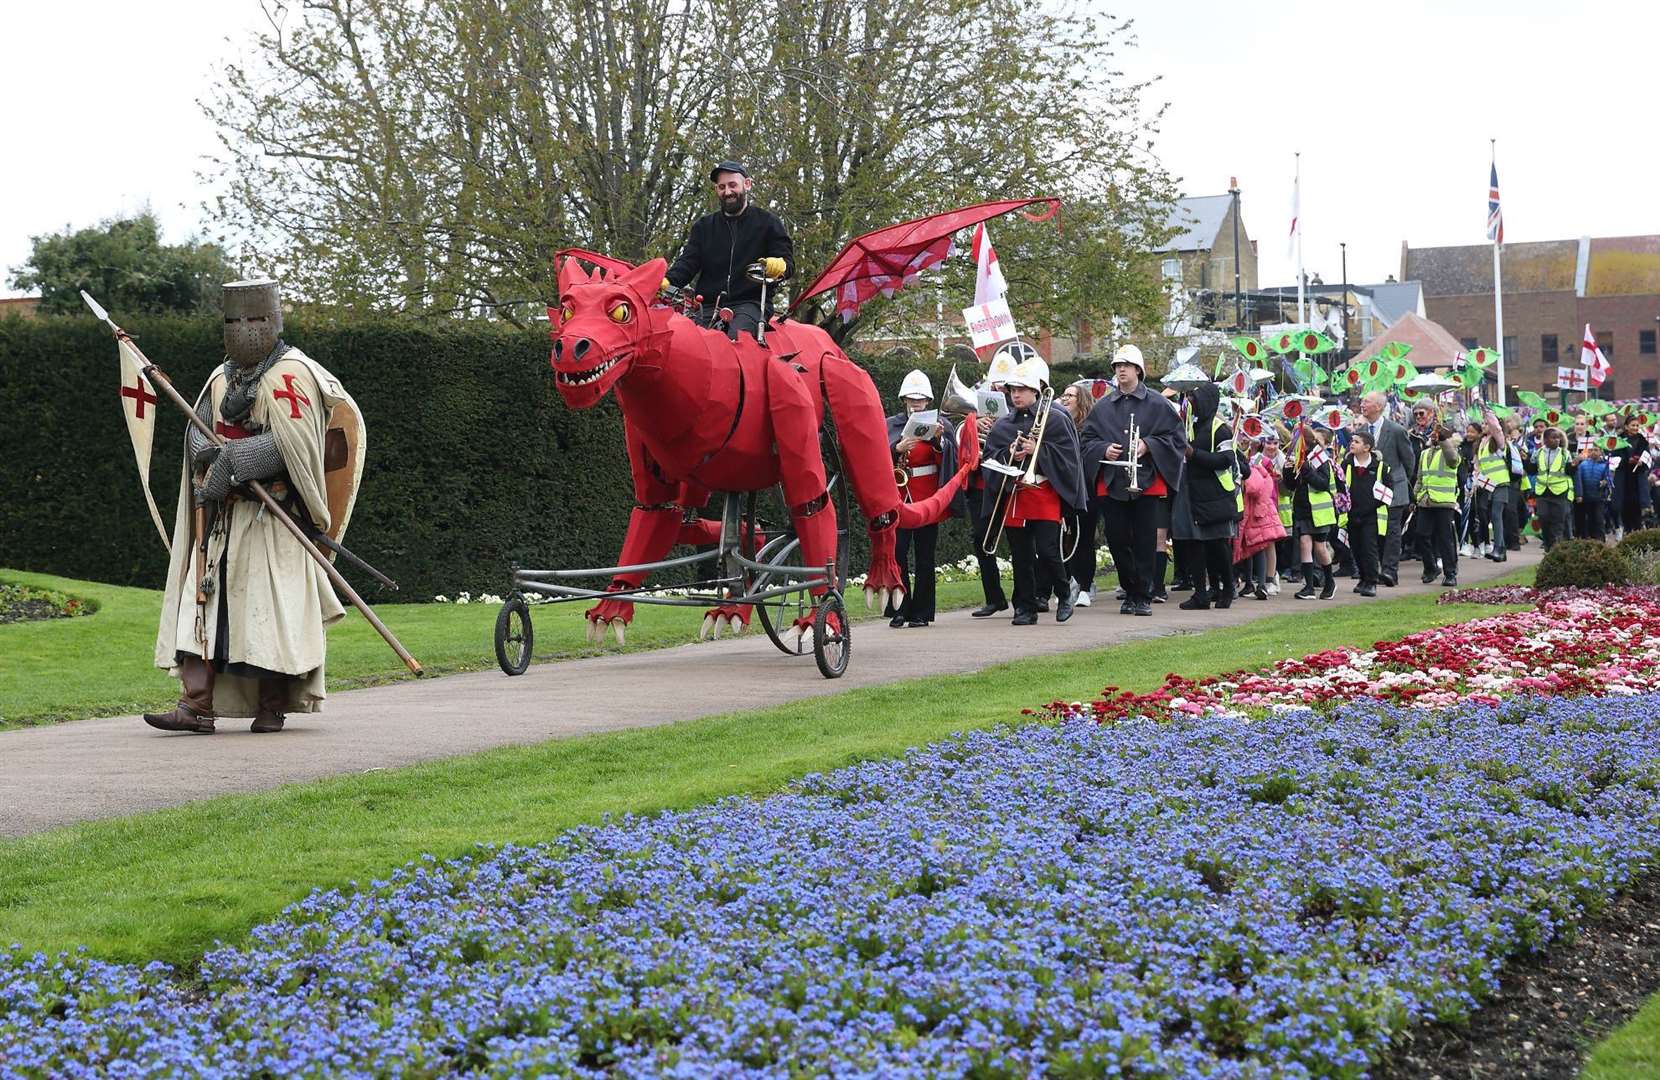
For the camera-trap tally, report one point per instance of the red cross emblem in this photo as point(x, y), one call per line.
point(141, 397)
point(293, 396)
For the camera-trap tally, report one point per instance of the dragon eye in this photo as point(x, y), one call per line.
point(566, 312)
point(619, 312)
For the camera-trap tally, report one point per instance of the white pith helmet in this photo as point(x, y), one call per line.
point(916, 385)
point(1027, 375)
point(1129, 354)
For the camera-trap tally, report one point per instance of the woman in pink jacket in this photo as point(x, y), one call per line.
point(1253, 544)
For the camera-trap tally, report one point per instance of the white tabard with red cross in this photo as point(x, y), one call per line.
point(277, 599)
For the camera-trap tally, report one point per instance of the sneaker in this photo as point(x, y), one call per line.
point(1273, 589)
point(1127, 608)
point(1367, 590)
point(1307, 592)
point(1261, 593)
point(1486, 550)
point(1328, 587)
point(1450, 581)
point(1468, 551)
point(1160, 597)
point(1083, 599)
point(1197, 602)
point(1120, 594)
point(1141, 607)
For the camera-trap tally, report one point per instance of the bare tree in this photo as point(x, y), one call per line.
point(431, 156)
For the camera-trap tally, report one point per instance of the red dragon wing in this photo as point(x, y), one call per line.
point(883, 261)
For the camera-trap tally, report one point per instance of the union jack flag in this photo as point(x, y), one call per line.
point(1495, 219)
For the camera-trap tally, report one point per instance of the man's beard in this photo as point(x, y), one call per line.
point(732, 204)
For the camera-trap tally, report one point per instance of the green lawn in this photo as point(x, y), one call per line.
point(1632, 1052)
point(168, 884)
point(100, 664)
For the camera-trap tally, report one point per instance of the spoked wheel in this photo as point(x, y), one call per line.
point(766, 512)
point(779, 613)
point(514, 636)
point(832, 636)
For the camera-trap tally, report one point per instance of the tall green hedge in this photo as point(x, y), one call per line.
point(473, 461)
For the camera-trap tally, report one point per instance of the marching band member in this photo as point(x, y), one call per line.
point(1032, 513)
point(991, 578)
point(924, 461)
point(1078, 399)
point(1132, 518)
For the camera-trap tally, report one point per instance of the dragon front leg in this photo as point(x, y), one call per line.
point(652, 531)
point(727, 618)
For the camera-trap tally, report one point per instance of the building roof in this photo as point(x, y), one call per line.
point(1196, 219)
point(1599, 266)
point(1392, 299)
point(1432, 346)
point(1623, 266)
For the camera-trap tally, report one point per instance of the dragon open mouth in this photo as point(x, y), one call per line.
point(583, 378)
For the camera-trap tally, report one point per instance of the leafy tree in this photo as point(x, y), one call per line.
point(432, 155)
point(123, 264)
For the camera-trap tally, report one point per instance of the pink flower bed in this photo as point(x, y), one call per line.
point(1576, 642)
point(1527, 594)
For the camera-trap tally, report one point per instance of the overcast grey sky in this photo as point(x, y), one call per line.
point(1391, 106)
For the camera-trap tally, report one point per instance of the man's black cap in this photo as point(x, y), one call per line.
point(727, 166)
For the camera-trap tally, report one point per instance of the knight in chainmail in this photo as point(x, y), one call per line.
point(255, 647)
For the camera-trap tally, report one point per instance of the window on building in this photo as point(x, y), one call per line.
point(1172, 270)
point(1508, 347)
point(1605, 342)
point(1547, 349)
point(1645, 342)
point(1651, 388)
point(1468, 343)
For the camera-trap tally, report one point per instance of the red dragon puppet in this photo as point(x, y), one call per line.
point(702, 413)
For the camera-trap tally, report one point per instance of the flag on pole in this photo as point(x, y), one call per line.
point(1495, 219)
point(1591, 357)
point(139, 406)
point(1291, 236)
point(1568, 378)
point(988, 276)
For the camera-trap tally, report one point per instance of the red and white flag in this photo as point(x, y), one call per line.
point(1568, 378)
point(988, 276)
point(1591, 358)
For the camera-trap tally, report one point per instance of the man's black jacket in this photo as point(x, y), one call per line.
point(720, 247)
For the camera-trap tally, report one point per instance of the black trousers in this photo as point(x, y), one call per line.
point(991, 579)
point(746, 317)
point(1389, 562)
point(1081, 567)
point(1210, 562)
point(1367, 546)
point(1589, 519)
point(1554, 517)
point(1132, 536)
point(1438, 526)
point(1515, 516)
point(919, 589)
point(1038, 568)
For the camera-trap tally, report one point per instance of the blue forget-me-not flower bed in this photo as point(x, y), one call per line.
point(1208, 896)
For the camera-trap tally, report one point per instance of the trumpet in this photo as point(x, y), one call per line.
point(1027, 476)
point(1129, 460)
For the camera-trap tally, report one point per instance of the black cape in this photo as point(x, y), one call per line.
point(1161, 430)
point(1058, 457)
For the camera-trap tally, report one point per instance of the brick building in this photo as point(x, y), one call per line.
point(1200, 254)
point(1552, 289)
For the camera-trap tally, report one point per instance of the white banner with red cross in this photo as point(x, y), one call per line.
point(139, 406)
point(1570, 378)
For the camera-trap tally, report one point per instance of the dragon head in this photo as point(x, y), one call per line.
point(600, 326)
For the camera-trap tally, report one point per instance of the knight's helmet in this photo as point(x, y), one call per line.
point(253, 320)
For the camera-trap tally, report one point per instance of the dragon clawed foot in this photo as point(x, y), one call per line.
point(614, 613)
point(733, 618)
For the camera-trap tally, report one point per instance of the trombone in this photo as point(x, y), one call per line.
point(1028, 475)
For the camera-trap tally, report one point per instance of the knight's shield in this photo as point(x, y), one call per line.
point(343, 447)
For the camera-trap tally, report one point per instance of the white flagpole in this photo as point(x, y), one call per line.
point(1302, 302)
point(1498, 293)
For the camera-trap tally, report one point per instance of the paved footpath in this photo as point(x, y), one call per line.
point(105, 768)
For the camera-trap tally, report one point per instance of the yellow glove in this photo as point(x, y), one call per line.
point(666, 286)
point(774, 268)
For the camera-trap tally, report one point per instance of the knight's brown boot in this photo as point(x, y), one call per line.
point(273, 698)
point(195, 710)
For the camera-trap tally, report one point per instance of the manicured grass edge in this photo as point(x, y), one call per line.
point(166, 885)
